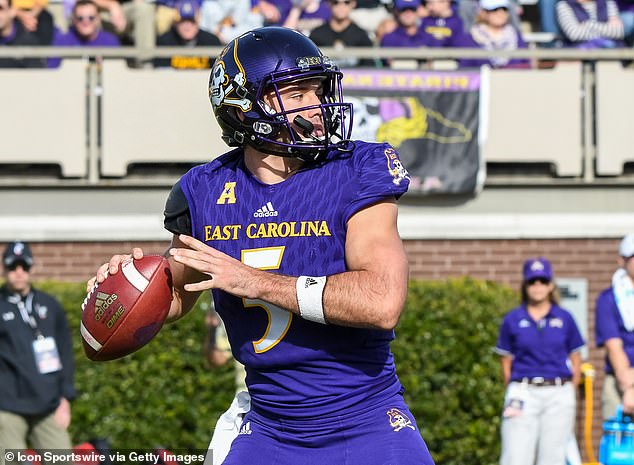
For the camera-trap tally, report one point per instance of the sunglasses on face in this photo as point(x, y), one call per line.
point(81, 19)
point(15, 266)
point(341, 2)
point(544, 281)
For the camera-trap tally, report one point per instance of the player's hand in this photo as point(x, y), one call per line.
point(62, 414)
point(225, 272)
point(628, 401)
point(28, 20)
point(111, 267)
point(269, 11)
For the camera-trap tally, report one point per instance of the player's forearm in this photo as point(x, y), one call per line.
point(354, 298)
point(621, 365)
point(506, 362)
point(364, 299)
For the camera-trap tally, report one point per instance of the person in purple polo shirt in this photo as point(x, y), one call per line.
point(539, 346)
point(614, 329)
point(295, 233)
point(85, 31)
point(408, 32)
point(442, 26)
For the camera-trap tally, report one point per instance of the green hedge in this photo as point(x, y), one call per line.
point(444, 358)
point(164, 394)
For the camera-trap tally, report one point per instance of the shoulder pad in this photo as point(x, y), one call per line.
point(176, 217)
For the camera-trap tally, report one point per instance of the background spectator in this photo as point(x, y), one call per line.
point(614, 327)
point(112, 10)
point(539, 346)
point(227, 19)
point(590, 23)
point(37, 379)
point(13, 33)
point(131, 20)
point(36, 19)
point(442, 26)
point(341, 31)
point(85, 30)
point(407, 32)
point(306, 15)
point(494, 31)
point(469, 12)
point(185, 32)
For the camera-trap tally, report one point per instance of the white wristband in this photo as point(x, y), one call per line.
point(310, 290)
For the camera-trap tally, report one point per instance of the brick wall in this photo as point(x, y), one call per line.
point(498, 260)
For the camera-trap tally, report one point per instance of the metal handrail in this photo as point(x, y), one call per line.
point(423, 53)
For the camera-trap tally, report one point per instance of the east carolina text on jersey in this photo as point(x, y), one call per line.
point(231, 232)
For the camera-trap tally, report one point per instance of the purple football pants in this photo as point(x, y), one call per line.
point(374, 435)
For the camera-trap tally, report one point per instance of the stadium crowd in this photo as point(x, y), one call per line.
point(488, 24)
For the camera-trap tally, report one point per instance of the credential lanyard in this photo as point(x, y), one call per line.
point(26, 311)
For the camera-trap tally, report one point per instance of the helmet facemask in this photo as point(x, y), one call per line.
point(281, 131)
point(295, 135)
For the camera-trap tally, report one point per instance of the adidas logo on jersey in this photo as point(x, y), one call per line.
point(246, 428)
point(265, 211)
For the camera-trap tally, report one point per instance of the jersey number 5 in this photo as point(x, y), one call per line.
point(279, 320)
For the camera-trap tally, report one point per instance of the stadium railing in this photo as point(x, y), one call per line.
point(96, 118)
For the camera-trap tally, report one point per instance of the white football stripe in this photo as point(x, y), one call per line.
point(92, 342)
point(134, 276)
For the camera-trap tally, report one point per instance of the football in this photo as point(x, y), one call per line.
point(125, 311)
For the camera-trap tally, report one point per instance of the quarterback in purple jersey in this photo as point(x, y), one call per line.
point(294, 232)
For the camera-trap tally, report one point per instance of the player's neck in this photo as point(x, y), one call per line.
point(270, 169)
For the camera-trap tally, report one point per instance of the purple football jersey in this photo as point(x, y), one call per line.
point(297, 227)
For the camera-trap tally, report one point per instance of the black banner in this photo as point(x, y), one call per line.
point(430, 117)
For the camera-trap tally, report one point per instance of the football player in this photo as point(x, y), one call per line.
point(294, 231)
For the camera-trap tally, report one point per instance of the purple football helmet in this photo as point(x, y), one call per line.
point(262, 61)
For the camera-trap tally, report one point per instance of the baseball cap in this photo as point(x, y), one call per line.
point(17, 252)
point(400, 5)
point(626, 248)
point(537, 268)
point(490, 5)
point(187, 9)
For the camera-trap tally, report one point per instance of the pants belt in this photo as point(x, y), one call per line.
point(539, 381)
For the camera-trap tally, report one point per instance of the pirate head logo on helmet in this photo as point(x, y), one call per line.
point(248, 76)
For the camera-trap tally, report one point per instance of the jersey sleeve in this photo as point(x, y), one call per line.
point(574, 340)
point(504, 345)
point(380, 174)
